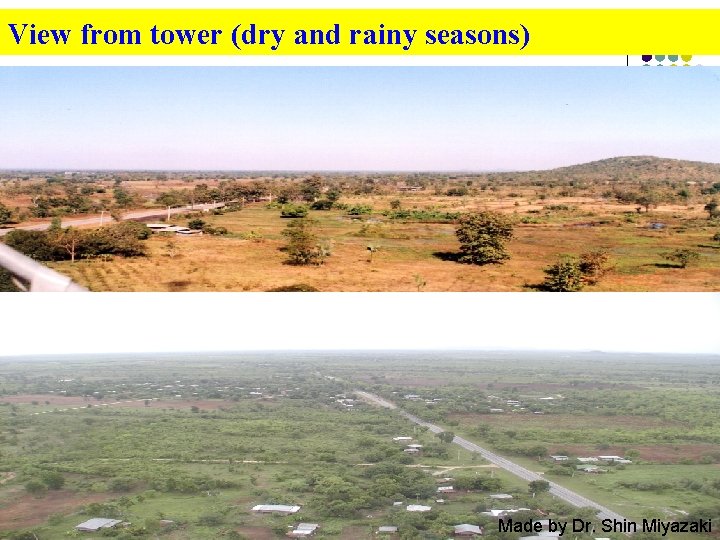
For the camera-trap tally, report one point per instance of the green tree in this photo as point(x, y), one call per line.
point(303, 247)
point(5, 214)
point(482, 237)
point(538, 486)
point(36, 487)
point(683, 257)
point(53, 479)
point(446, 436)
point(563, 276)
point(712, 209)
point(594, 265)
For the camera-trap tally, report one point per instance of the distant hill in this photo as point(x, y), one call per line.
point(629, 169)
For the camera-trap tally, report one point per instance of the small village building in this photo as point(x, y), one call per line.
point(284, 509)
point(402, 439)
point(416, 446)
point(303, 530)
point(588, 459)
point(501, 496)
point(95, 524)
point(387, 529)
point(468, 530)
point(418, 508)
point(559, 458)
point(609, 458)
point(446, 489)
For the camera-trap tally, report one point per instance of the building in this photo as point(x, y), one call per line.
point(303, 530)
point(402, 439)
point(446, 489)
point(95, 524)
point(284, 509)
point(559, 458)
point(466, 529)
point(418, 508)
point(387, 529)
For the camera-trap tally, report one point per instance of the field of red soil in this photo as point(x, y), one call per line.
point(654, 453)
point(563, 421)
point(26, 511)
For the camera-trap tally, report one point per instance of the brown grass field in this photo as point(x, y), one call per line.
point(409, 254)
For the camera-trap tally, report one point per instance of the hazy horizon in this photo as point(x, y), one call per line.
point(352, 118)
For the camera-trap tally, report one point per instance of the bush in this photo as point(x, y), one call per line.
point(563, 276)
point(294, 211)
point(594, 265)
point(683, 257)
point(322, 204)
point(197, 224)
point(482, 237)
point(359, 210)
point(303, 247)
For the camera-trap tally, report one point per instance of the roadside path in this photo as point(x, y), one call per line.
point(559, 491)
point(107, 220)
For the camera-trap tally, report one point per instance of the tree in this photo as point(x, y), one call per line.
point(647, 200)
point(482, 237)
point(712, 209)
point(594, 265)
point(538, 486)
point(5, 214)
point(684, 257)
point(53, 479)
point(303, 247)
point(446, 436)
point(563, 276)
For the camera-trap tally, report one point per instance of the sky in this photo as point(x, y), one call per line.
point(353, 118)
point(156, 322)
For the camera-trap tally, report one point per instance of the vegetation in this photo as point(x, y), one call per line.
point(563, 276)
point(57, 244)
point(483, 236)
point(303, 247)
point(580, 209)
point(683, 257)
point(200, 440)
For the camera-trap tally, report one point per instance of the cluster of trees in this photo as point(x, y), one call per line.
point(572, 274)
point(58, 244)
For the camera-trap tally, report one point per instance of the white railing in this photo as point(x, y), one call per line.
point(30, 275)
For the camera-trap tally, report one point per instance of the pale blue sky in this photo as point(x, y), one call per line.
point(353, 118)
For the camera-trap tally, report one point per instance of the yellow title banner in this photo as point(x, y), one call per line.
point(358, 31)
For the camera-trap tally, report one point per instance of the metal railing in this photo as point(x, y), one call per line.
point(30, 275)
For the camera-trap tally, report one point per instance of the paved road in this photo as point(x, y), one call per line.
point(565, 494)
point(106, 219)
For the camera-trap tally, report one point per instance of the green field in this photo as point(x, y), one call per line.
point(199, 440)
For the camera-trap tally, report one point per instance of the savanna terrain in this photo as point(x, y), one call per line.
point(654, 221)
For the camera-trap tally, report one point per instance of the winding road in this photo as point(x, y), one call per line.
point(563, 493)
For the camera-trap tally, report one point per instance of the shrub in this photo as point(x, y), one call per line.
point(294, 211)
point(683, 257)
point(563, 276)
point(303, 247)
point(482, 237)
point(594, 265)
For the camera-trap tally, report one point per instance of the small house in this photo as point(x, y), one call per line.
point(95, 524)
point(283, 509)
point(418, 508)
point(468, 530)
point(387, 529)
point(303, 530)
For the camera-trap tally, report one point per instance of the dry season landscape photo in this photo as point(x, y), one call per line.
point(364, 179)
